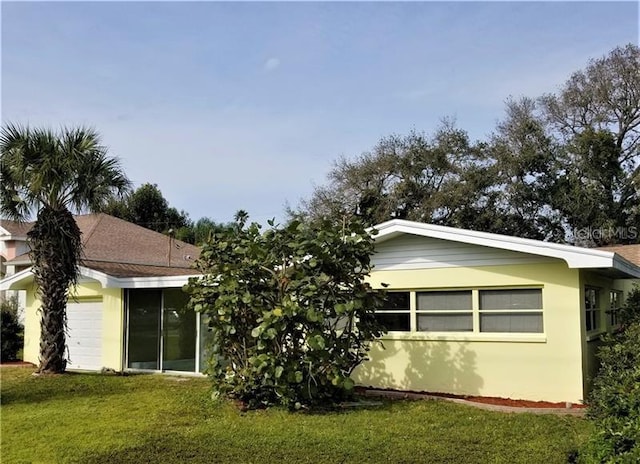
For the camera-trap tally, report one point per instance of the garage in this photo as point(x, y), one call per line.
point(84, 335)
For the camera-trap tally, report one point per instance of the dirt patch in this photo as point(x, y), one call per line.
point(495, 401)
point(511, 402)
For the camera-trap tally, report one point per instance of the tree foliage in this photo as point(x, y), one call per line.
point(614, 402)
point(55, 174)
point(11, 336)
point(555, 166)
point(289, 313)
point(147, 207)
point(440, 179)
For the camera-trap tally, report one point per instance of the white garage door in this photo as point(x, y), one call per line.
point(84, 337)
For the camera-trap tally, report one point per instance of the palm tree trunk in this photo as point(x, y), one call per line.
point(56, 249)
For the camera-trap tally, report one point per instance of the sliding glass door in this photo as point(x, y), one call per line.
point(179, 332)
point(162, 331)
point(144, 328)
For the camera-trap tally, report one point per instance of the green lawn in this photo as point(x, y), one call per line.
point(151, 418)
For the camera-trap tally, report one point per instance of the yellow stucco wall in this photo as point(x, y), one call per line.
point(112, 322)
point(593, 340)
point(544, 366)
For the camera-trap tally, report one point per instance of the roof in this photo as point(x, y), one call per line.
point(629, 252)
point(120, 248)
point(15, 229)
point(615, 265)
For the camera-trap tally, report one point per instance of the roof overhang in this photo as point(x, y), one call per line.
point(23, 279)
point(575, 257)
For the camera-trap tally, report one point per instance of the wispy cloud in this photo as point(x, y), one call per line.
point(271, 64)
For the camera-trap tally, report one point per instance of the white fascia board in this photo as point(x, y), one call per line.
point(19, 280)
point(575, 257)
point(108, 281)
point(14, 262)
point(5, 235)
point(154, 282)
point(16, 281)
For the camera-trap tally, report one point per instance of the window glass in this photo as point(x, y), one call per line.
point(445, 322)
point(615, 303)
point(179, 332)
point(511, 322)
point(205, 338)
point(144, 328)
point(511, 310)
point(592, 308)
point(395, 313)
point(396, 301)
point(511, 299)
point(449, 311)
point(444, 301)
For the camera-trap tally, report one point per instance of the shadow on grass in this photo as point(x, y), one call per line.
point(168, 449)
point(38, 389)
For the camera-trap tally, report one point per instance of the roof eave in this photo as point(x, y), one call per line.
point(575, 257)
point(626, 266)
point(16, 281)
point(22, 279)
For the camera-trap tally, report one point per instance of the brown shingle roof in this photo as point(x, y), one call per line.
point(128, 250)
point(137, 270)
point(629, 252)
point(18, 229)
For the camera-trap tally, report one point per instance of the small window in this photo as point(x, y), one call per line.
point(592, 308)
point(511, 311)
point(395, 314)
point(615, 303)
point(449, 311)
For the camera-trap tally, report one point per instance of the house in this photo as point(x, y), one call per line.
point(475, 313)
point(13, 242)
point(469, 313)
point(129, 290)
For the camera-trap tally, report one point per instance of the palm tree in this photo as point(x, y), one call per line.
point(54, 174)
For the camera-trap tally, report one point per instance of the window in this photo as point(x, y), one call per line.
point(592, 308)
point(444, 311)
point(144, 328)
point(178, 332)
point(395, 315)
point(615, 303)
point(511, 311)
point(161, 330)
point(514, 310)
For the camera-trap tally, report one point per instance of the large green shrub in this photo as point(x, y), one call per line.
point(12, 331)
point(289, 312)
point(614, 402)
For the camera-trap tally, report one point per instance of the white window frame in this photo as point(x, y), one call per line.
point(615, 304)
point(503, 311)
point(476, 334)
point(435, 312)
point(592, 309)
point(409, 311)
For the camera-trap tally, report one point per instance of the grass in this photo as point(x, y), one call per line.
point(95, 418)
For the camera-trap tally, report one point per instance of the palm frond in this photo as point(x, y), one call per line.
point(66, 170)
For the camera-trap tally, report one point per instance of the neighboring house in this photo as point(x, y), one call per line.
point(129, 290)
point(469, 312)
point(13, 242)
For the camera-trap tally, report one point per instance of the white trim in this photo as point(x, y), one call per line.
point(14, 281)
point(467, 337)
point(575, 257)
point(6, 235)
point(11, 282)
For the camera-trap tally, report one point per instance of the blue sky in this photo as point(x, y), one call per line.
point(246, 105)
